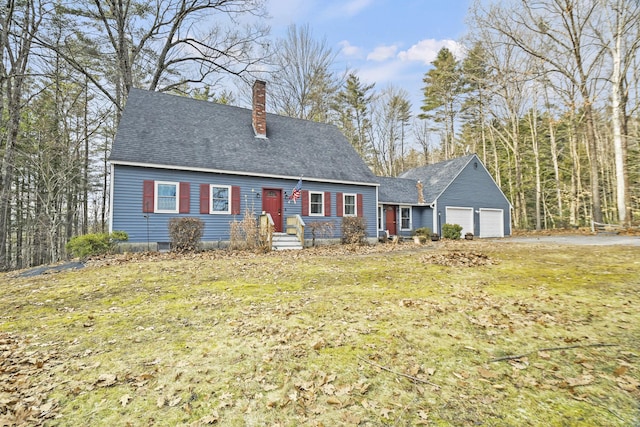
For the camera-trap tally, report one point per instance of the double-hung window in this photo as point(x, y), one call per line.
point(316, 204)
point(405, 218)
point(349, 205)
point(167, 195)
point(220, 199)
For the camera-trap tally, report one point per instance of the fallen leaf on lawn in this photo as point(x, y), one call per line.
point(431, 371)
point(269, 387)
point(125, 399)
point(209, 419)
point(272, 404)
point(161, 402)
point(485, 373)
point(333, 400)
point(329, 389)
point(499, 386)
point(173, 402)
point(620, 370)
point(351, 419)
point(519, 365)
point(461, 375)
point(106, 380)
point(385, 412)
point(319, 344)
point(628, 383)
point(368, 404)
point(581, 380)
point(414, 370)
point(344, 390)
point(544, 355)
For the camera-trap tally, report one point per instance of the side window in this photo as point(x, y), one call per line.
point(349, 205)
point(220, 199)
point(380, 218)
point(167, 195)
point(316, 204)
point(405, 218)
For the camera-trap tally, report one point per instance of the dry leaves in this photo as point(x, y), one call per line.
point(458, 259)
point(23, 399)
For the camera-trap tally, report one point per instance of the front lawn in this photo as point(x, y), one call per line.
point(451, 333)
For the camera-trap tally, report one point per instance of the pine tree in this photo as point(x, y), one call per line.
point(442, 92)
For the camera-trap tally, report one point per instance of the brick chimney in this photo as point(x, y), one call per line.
point(259, 113)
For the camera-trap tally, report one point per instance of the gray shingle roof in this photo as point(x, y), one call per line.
point(437, 177)
point(173, 131)
point(397, 191)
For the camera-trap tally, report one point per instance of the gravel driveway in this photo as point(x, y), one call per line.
point(577, 239)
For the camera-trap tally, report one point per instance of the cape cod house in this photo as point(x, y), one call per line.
point(457, 191)
point(175, 156)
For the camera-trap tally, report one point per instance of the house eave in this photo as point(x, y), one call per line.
point(240, 173)
point(412, 204)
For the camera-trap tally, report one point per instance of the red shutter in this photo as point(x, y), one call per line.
point(339, 210)
point(304, 199)
point(204, 198)
point(359, 205)
point(327, 204)
point(235, 200)
point(147, 196)
point(185, 199)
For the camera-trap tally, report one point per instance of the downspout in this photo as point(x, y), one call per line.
point(434, 220)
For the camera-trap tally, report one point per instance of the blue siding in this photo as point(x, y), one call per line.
point(474, 188)
point(127, 212)
point(422, 217)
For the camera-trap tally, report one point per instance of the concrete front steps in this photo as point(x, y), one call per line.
point(284, 241)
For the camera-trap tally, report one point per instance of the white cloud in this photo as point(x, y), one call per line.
point(347, 49)
point(382, 53)
point(427, 50)
point(382, 74)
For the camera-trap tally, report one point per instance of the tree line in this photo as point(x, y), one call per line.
point(546, 92)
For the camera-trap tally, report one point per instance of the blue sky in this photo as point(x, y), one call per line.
point(384, 41)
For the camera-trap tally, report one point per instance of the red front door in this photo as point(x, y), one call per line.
point(390, 220)
point(272, 204)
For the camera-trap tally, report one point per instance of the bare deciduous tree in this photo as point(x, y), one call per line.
point(304, 82)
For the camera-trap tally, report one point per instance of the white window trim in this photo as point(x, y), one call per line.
point(410, 218)
point(380, 218)
point(321, 213)
point(344, 204)
point(156, 198)
point(211, 211)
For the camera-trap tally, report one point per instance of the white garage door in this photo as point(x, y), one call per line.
point(461, 216)
point(491, 223)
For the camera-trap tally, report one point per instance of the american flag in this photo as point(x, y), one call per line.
point(295, 194)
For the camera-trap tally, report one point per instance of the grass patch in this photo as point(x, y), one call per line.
point(398, 336)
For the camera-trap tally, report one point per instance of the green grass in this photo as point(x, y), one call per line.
point(329, 337)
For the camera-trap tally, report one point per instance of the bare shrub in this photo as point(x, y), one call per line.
point(185, 234)
point(245, 233)
point(354, 230)
point(320, 229)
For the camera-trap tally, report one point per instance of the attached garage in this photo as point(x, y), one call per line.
point(491, 223)
point(456, 191)
point(460, 216)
